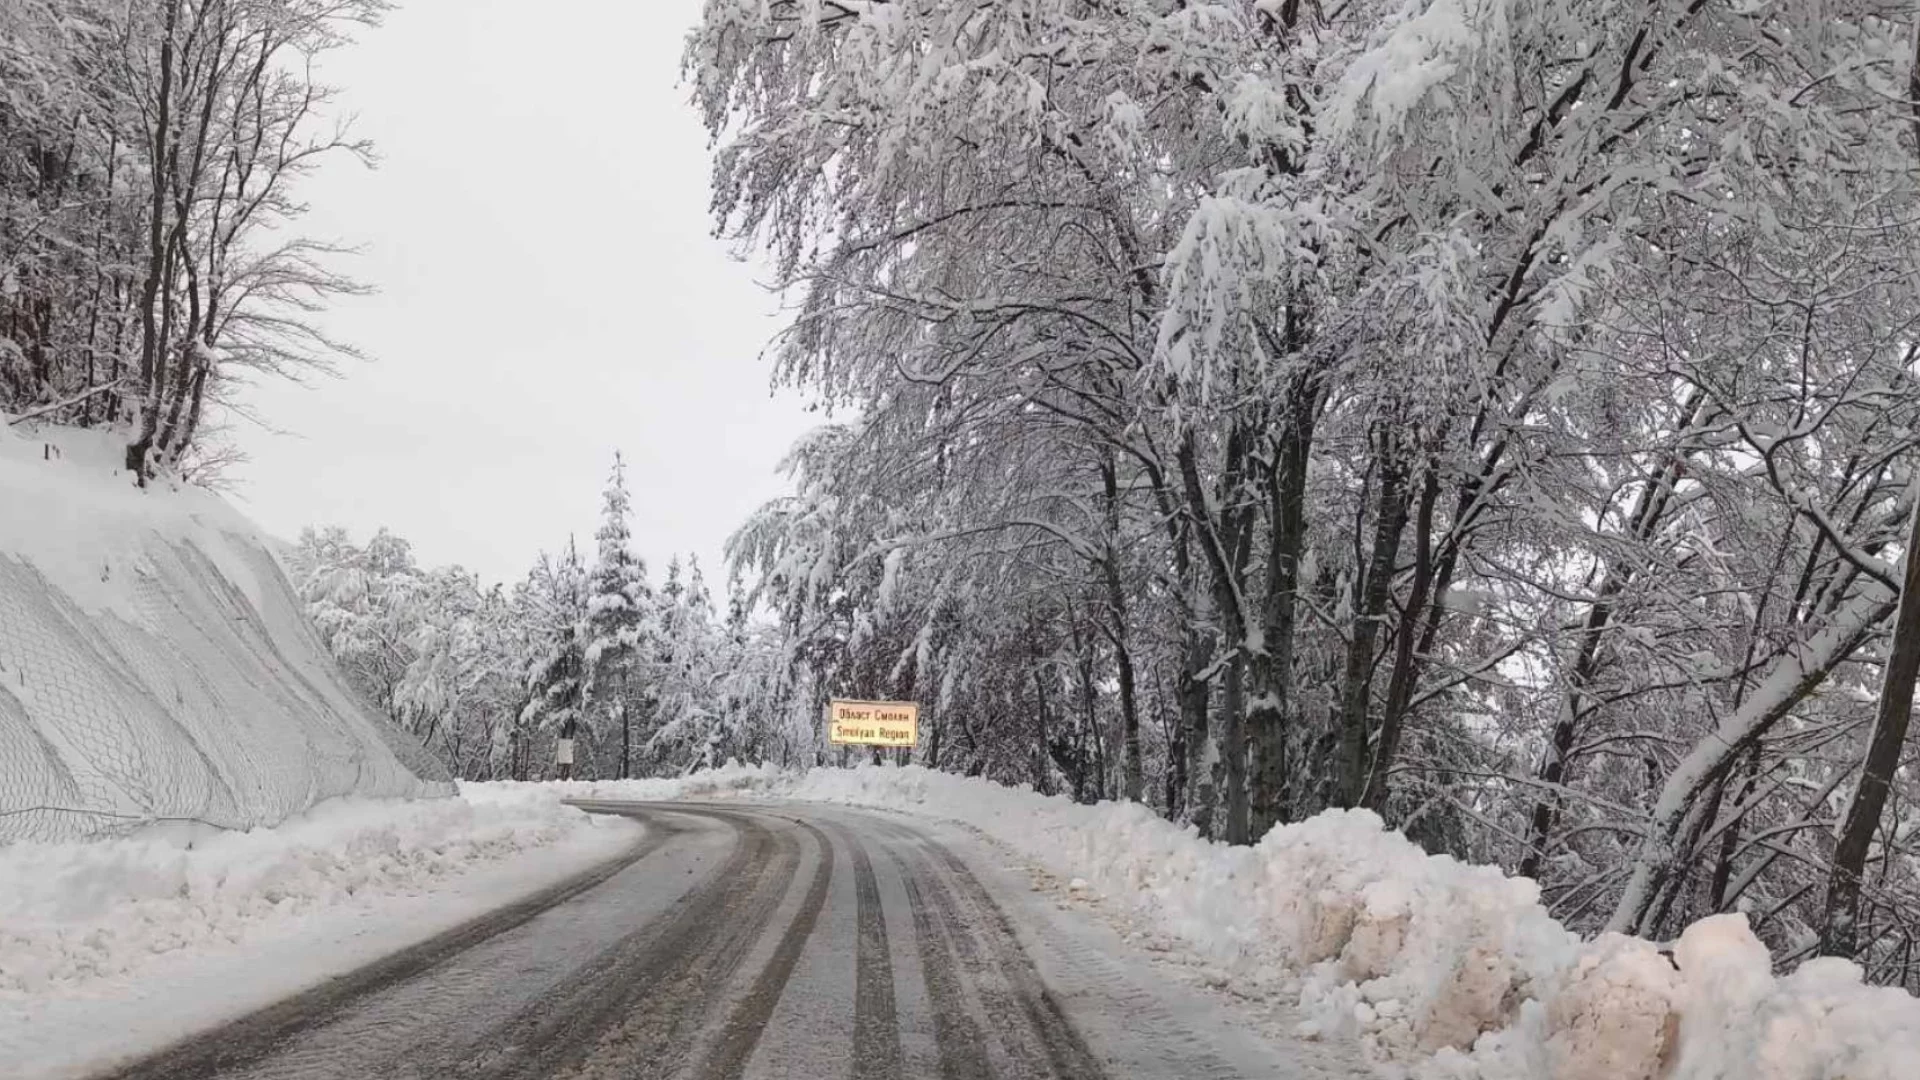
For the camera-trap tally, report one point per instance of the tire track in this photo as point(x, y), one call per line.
point(876, 1023)
point(1137, 1035)
point(958, 902)
point(741, 1033)
point(636, 1010)
point(992, 983)
point(252, 1038)
point(963, 1052)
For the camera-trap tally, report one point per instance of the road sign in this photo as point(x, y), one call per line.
point(873, 723)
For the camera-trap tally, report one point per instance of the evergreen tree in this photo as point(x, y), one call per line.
point(699, 600)
point(692, 664)
point(617, 610)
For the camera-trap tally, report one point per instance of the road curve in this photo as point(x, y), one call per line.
point(734, 941)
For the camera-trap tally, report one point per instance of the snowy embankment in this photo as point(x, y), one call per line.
point(1443, 971)
point(155, 663)
point(115, 947)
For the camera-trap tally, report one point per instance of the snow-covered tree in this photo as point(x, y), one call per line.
point(462, 688)
point(432, 648)
point(619, 604)
point(364, 601)
point(687, 667)
point(149, 252)
point(557, 593)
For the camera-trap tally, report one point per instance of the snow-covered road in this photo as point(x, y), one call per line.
point(771, 940)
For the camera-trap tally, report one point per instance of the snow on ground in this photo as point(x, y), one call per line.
point(116, 947)
point(1443, 971)
point(156, 664)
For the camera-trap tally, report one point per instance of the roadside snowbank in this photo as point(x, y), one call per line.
point(79, 917)
point(1444, 971)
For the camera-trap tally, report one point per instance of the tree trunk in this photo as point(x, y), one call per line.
point(1840, 928)
point(1649, 508)
point(1400, 683)
point(626, 732)
point(1226, 539)
point(932, 756)
point(1083, 753)
point(1173, 777)
point(1042, 774)
point(1233, 755)
point(1271, 665)
point(1132, 781)
point(1717, 897)
point(1196, 796)
point(152, 338)
point(1370, 611)
point(1202, 756)
point(196, 394)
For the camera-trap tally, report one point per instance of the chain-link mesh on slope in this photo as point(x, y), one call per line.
point(201, 704)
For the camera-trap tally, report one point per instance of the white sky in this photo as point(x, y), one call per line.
point(548, 291)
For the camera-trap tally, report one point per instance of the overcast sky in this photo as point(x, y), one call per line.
point(549, 291)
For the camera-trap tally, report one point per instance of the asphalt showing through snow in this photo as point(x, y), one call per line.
point(734, 942)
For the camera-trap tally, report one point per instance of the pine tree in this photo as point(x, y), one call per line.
point(617, 611)
point(692, 666)
point(699, 600)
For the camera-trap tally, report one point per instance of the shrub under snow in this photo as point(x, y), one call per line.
point(1446, 971)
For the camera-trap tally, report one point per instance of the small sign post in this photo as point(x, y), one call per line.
point(873, 723)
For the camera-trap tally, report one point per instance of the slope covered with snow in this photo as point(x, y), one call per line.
point(1444, 971)
point(155, 664)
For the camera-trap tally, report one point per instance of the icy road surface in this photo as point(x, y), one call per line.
point(756, 940)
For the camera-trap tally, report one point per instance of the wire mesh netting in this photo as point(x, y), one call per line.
point(200, 704)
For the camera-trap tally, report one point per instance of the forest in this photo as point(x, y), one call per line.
point(646, 681)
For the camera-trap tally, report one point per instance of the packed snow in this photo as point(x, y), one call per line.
point(113, 947)
point(1442, 970)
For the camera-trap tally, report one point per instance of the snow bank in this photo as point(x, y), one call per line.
point(1444, 971)
point(111, 949)
point(155, 663)
point(75, 913)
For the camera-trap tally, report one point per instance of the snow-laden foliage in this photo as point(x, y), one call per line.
point(489, 677)
point(619, 607)
point(1497, 415)
point(149, 158)
point(433, 648)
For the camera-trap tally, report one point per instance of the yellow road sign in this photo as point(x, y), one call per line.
point(873, 723)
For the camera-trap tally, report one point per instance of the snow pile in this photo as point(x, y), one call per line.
point(155, 664)
point(1445, 971)
point(731, 779)
point(75, 913)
